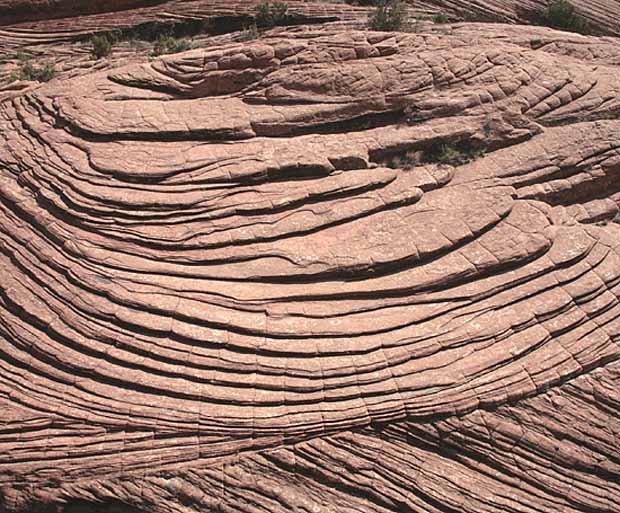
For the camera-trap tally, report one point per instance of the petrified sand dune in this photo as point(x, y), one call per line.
point(601, 15)
point(223, 286)
point(13, 11)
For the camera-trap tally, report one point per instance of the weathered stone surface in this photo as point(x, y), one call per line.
point(13, 11)
point(225, 287)
point(601, 15)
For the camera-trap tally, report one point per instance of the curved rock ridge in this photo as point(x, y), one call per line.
point(64, 43)
point(144, 11)
point(248, 278)
point(20, 10)
point(507, 459)
point(600, 15)
point(52, 14)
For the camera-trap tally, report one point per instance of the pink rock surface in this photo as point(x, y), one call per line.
point(602, 15)
point(241, 279)
point(12, 11)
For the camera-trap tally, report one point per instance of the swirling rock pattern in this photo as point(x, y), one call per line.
point(224, 287)
point(600, 15)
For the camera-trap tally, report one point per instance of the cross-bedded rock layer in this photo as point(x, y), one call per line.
point(225, 287)
point(601, 15)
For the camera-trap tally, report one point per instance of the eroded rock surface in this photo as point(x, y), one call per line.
point(600, 15)
point(239, 279)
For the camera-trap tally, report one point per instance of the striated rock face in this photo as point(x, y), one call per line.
point(89, 16)
point(249, 278)
point(64, 43)
point(12, 11)
point(601, 15)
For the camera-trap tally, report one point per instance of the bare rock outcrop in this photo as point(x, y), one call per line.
point(601, 15)
point(324, 270)
point(13, 11)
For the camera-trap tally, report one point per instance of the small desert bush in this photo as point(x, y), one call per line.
point(451, 154)
point(154, 30)
point(249, 33)
point(269, 15)
point(448, 153)
point(29, 71)
point(170, 44)
point(440, 18)
point(21, 56)
point(406, 161)
point(562, 14)
point(101, 46)
point(390, 15)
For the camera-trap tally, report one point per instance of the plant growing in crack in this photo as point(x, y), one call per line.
point(562, 14)
point(441, 18)
point(101, 46)
point(407, 161)
point(390, 15)
point(29, 71)
point(21, 56)
point(169, 44)
point(487, 127)
point(249, 33)
point(268, 15)
point(451, 154)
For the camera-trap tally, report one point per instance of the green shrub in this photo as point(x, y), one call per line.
point(390, 15)
point(452, 154)
point(561, 14)
point(270, 14)
point(115, 36)
point(406, 161)
point(21, 56)
point(153, 30)
point(27, 71)
point(101, 46)
point(170, 44)
point(536, 43)
point(440, 18)
point(249, 33)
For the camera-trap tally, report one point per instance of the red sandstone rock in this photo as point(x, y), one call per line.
point(240, 278)
point(12, 11)
point(601, 15)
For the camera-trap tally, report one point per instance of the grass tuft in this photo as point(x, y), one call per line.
point(389, 15)
point(268, 15)
point(101, 46)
